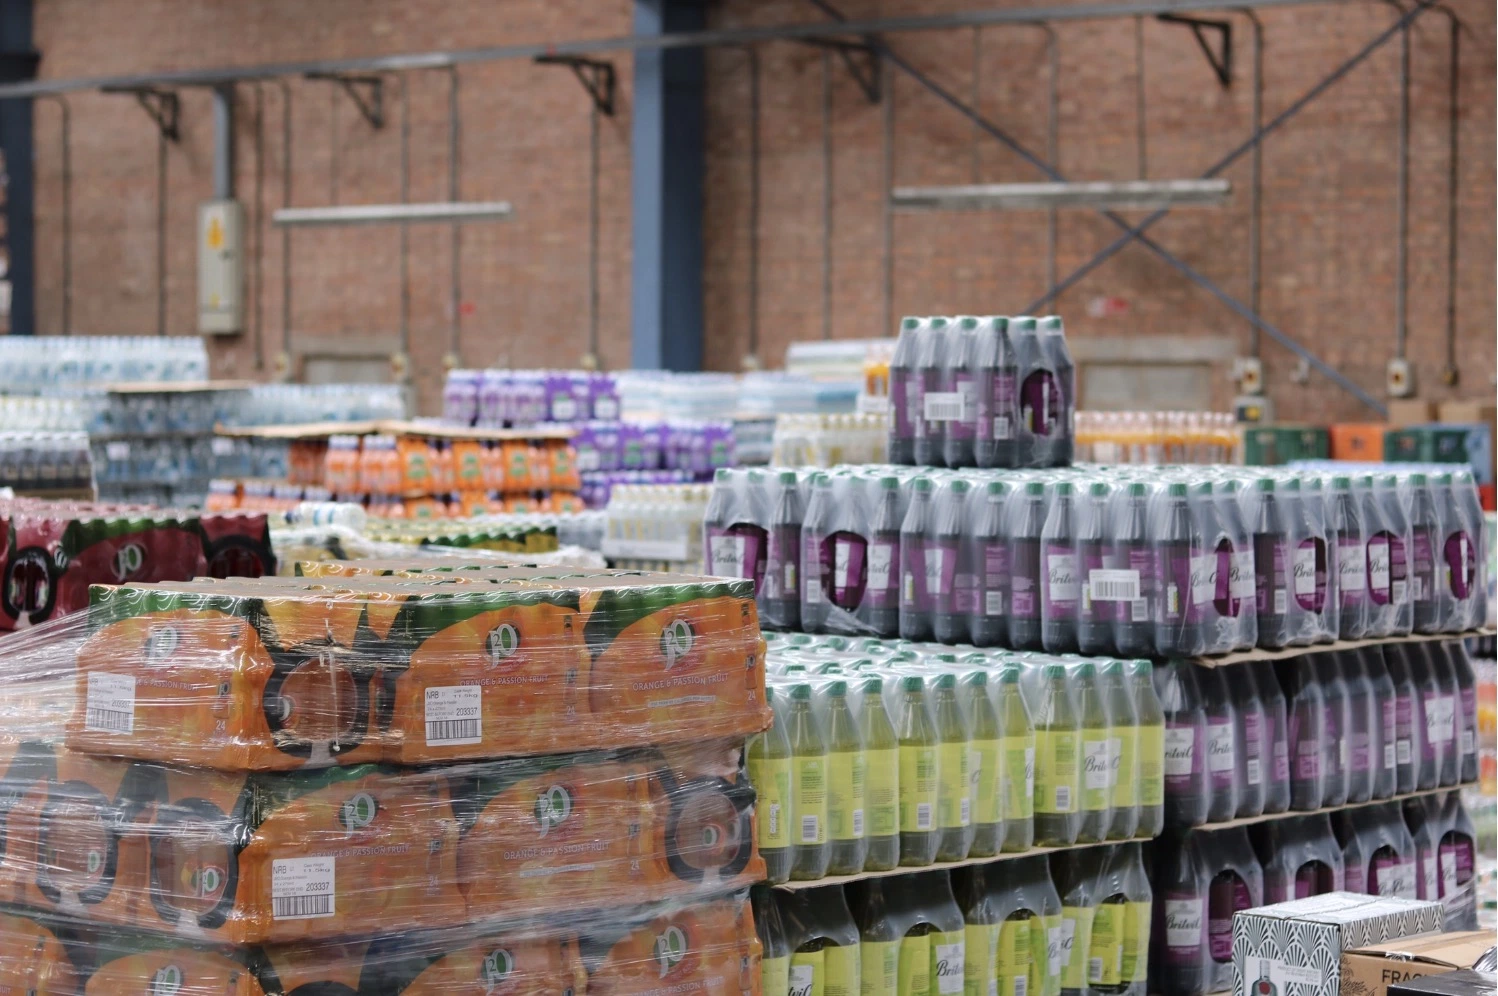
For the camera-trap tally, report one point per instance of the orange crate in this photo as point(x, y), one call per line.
point(1361, 441)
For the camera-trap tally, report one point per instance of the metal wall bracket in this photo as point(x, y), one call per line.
point(367, 93)
point(162, 105)
point(596, 76)
point(1221, 60)
point(862, 63)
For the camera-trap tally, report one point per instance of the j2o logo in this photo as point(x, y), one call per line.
point(166, 982)
point(498, 964)
point(670, 948)
point(358, 812)
point(502, 642)
point(161, 643)
point(128, 560)
point(676, 642)
point(552, 808)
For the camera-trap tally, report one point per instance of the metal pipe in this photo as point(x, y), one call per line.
point(1052, 148)
point(1134, 232)
point(161, 144)
point(634, 43)
point(754, 112)
point(826, 193)
point(67, 212)
point(887, 94)
point(454, 174)
point(1256, 186)
point(405, 231)
point(1452, 163)
point(286, 232)
point(392, 214)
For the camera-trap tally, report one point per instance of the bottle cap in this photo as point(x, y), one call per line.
point(959, 487)
point(1202, 488)
point(922, 485)
point(724, 475)
point(1086, 669)
point(1063, 489)
point(1050, 325)
point(910, 322)
point(1141, 666)
point(889, 483)
point(822, 481)
point(939, 322)
point(1035, 489)
point(946, 681)
point(1009, 675)
point(1365, 481)
point(1417, 480)
point(945, 658)
point(969, 322)
point(801, 693)
point(1137, 489)
point(786, 477)
point(837, 689)
point(756, 477)
point(1022, 323)
point(1098, 489)
point(1341, 483)
point(1264, 484)
point(912, 683)
point(874, 683)
point(1054, 672)
point(997, 489)
point(1292, 485)
point(1177, 489)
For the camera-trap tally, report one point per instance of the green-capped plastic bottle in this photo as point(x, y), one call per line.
point(954, 799)
point(775, 962)
point(918, 774)
point(846, 784)
point(769, 757)
point(809, 849)
point(881, 800)
point(878, 937)
point(1058, 734)
point(987, 791)
point(1073, 872)
point(983, 919)
point(1136, 943)
point(1110, 916)
point(1096, 755)
point(1017, 753)
point(1151, 720)
point(1036, 892)
point(826, 958)
point(932, 958)
point(1123, 751)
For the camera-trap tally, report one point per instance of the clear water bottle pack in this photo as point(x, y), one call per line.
point(1188, 561)
point(989, 391)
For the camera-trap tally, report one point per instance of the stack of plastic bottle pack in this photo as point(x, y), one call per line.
point(885, 755)
point(1184, 561)
point(465, 781)
point(1074, 921)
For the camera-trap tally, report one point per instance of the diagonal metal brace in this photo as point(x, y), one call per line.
point(596, 76)
point(367, 93)
point(860, 58)
point(163, 107)
point(1220, 61)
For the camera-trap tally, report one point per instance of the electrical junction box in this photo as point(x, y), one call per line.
point(220, 267)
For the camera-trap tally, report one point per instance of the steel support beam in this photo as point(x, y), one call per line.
point(647, 41)
point(18, 62)
point(666, 178)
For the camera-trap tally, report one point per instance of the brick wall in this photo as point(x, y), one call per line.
point(1329, 219)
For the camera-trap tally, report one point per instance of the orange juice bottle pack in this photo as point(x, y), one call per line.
point(384, 778)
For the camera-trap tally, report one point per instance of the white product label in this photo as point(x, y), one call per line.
point(1388, 755)
point(802, 977)
point(110, 705)
point(728, 556)
point(1469, 742)
point(923, 812)
point(1281, 603)
point(1053, 948)
point(563, 408)
point(857, 823)
point(454, 715)
point(1404, 752)
point(1439, 714)
point(774, 818)
point(1029, 772)
point(1448, 875)
point(1115, 757)
point(1400, 592)
point(943, 406)
point(1398, 880)
point(1061, 577)
point(814, 586)
point(1303, 570)
point(1068, 935)
point(1280, 974)
point(1139, 609)
point(1253, 772)
point(1242, 582)
point(881, 558)
point(117, 451)
point(302, 888)
point(1179, 745)
point(1430, 876)
point(1183, 923)
point(222, 446)
point(1095, 763)
point(1352, 572)
point(1220, 746)
point(841, 562)
point(1203, 579)
point(935, 557)
point(809, 829)
point(1003, 427)
point(1113, 585)
point(1063, 799)
point(993, 603)
point(1378, 564)
point(790, 578)
point(1172, 599)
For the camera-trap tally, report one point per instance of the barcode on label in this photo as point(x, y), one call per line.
point(857, 823)
point(809, 829)
point(1404, 752)
point(1002, 429)
point(943, 406)
point(1280, 601)
point(1388, 755)
point(1253, 771)
point(923, 816)
point(1094, 970)
point(966, 809)
point(301, 907)
point(1468, 742)
point(993, 603)
point(1021, 984)
point(1063, 798)
point(774, 818)
point(1139, 610)
point(109, 721)
point(1113, 585)
point(453, 731)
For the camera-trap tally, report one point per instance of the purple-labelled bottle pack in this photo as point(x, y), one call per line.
point(982, 391)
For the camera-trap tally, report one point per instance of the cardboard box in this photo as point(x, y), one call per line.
point(1362, 442)
point(1295, 948)
point(1406, 411)
point(1469, 411)
point(1467, 982)
point(1372, 970)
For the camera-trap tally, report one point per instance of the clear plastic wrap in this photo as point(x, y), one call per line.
point(710, 948)
point(285, 673)
point(263, 857)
